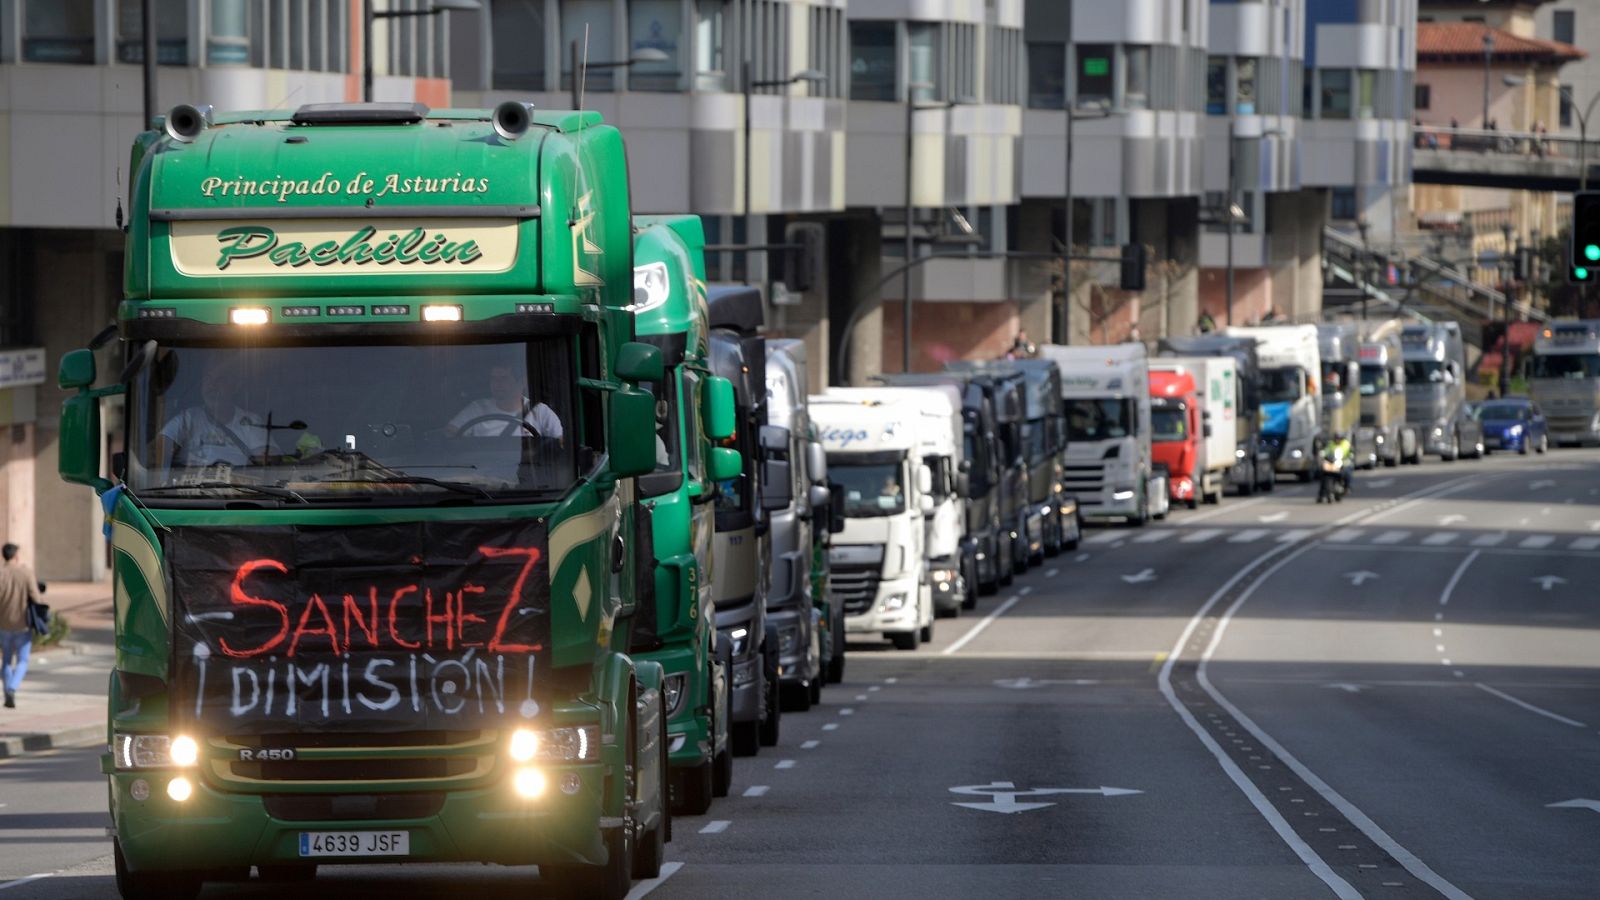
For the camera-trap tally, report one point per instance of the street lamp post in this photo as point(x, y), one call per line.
point(646, 55)
point(1064, 321)
point(368, 14)
point(912, 108)
point(1488, 63)
point(1508, 268)
point(1583, 133)
point(749, 86)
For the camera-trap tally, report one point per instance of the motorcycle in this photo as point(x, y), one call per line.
point(1331, 485)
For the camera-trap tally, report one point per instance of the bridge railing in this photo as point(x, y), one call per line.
point(1539, 145)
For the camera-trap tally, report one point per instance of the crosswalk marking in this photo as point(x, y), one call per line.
point(1586, 543)
point(1489, 540)
point(1152, 537)
point(1201, 536)
point(1440, 538)
point(1391, 537)
point(1248, 535)
point(1345, 535)
point(1537, 541)
point(1295, 534)
point(1104, 537)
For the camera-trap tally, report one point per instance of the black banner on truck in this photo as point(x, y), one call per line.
point(373, 628)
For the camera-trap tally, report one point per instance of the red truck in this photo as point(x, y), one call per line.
point(1176, 431)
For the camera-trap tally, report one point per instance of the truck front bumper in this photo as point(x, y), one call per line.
point(798, 660)
point(1115, 503)
point(689, 735)
point(887, 615)
point(1297, 455)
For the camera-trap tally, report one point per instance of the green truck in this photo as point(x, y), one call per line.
point(694, 409)
point(380, 561)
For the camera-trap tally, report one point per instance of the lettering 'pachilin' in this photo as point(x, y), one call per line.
point(412, 247)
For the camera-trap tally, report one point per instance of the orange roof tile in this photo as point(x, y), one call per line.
point(1463, 42)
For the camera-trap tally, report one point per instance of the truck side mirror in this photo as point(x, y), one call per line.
point(632, 449)
point(638, 362)
point(818, 497)
point(924, 481)
point(816, 463)
point(925, 504)
point(77, 371)
point(720, 415)
point(78, 456)
point(725, 462)
point(963, 484)
point(777, 491)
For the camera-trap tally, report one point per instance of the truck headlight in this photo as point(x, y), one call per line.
point(788, 639)
point(944, 579)
point(740, 638)
point(1239, 453)
point(524, 744)
point(1124, 494)
point(651, 286)
point(153, 751)
point(570, 743)
point(894, 602)
point(672, 691)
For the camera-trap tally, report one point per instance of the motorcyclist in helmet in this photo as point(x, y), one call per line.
point(1336, 462)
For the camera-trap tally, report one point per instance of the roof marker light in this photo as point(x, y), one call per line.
point(439, 312)
point(249, 315)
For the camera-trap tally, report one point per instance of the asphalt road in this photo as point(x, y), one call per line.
point(1397, 696)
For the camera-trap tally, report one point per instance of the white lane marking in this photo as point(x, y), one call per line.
point(1274, 517)
point(716, 826)
point(1441, 538)
point(1391, 537)
point(846, 711)
point(1248, 535)
point(860, 697)
point(891, 681)
point(1530, 707)
point(831, 726)
point(1225, 508)
point(756, 790)
point(650, 884)
point(1051, 573)
point(1354, 815)
point(874, 689)
point(1455, 579)
point(1344, 535)
point(1295, 534)
point(1025, 590)
point(1104, 537)
point(785, 764)
point(810, 745)
point(1153, 537)
point(1586, 543)
point(1315, 863)
point(1537, 541)
point(1438, 648)
point(1081, 557)
point(1201, 536)
point(22, 881)
point(1489, 540)
point(1438, 632)
point(985, 622)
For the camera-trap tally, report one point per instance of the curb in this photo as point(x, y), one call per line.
point(76, 736)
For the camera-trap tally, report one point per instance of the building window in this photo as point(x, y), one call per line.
point(710, 60)
point(872, 62)
point(1136, 95)
point(518, 29)
point(656, 25)
point(1217, 86)
point(1424, 98)
point(229, 40)
point(924, 61)
point(58, 31)
point(1566, 110)
point(588, 22)
point(1244, 91)
point(1335, 93)
point(1097, 73)
point(1565, 27)
point(1342, 203)
point(1047, 76)
point(172, 32)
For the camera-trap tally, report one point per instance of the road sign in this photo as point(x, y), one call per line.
point(1141, 577)
point(1357, 579)
point(1003, 796)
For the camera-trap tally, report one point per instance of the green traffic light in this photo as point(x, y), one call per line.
point(1591, 252)
point(1579, 273)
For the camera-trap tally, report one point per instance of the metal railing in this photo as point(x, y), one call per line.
point(1537, 145)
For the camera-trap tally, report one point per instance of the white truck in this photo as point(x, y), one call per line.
point(1291, 405)
point(940, 436)
point(878, 563)
point(1216, 385)
point(1108, 467)
point(1565, 380)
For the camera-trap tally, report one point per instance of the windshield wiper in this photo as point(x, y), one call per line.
point(459, 487)
point(280, 493)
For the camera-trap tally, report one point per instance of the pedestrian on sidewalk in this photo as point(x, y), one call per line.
point(17, 588)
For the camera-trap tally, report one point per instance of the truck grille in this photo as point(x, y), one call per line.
point(853, 586)
point(407, 760)
point(1569, 424)
point(1085, 483)
point(353, 807)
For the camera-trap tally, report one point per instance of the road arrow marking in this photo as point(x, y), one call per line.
point(1274, 517)
point(1541, 483)
point(1548, 581)
point(1359, 578)
point(1025, 683)
point(1347, 687)
point(1003, 796)
point(1452, 519)
point(1578, 803)
point(1141, 578)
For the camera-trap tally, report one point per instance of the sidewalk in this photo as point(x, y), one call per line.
point(62, 701)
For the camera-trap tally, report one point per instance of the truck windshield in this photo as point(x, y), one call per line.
point(353, 423)
point(1280, 385)
point(1374, 380)
point(1567, 365)
point(1098, 419)
point(1332, 377)
point(1036, 436)
point(1169, 424)
point(870, 488)
point(1424, 371)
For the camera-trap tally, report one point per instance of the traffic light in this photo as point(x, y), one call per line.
point(1585, 232)
point(1133, 265)
point(1579, 274)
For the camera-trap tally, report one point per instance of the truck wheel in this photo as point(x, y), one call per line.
point(769, 725)
point(608, 881)
point(652, 849)
point(745, 738)
point(1249, 486)
point(695, 788)
point(970, 600)
point(722, 771)
point(904, 640)
point(152, 885)
point(795, 697)
point(816, 689)
point(926, 634)
point(836, 663)
point(1305, 477)
point(1194, 501)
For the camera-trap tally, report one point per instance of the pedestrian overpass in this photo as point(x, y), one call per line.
point(1502, 159)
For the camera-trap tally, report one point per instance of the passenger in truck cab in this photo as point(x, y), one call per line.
point(506, 411)
point(216, 430)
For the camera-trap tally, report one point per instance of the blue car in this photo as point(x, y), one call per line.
point(1514, 423)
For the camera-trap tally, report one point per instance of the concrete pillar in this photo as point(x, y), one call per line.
point(1036, 283)
point(1313, 213)
point(855, 249)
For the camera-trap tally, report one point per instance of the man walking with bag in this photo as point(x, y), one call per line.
point(17, 590)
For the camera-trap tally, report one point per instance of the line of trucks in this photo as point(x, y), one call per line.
point(453, 516)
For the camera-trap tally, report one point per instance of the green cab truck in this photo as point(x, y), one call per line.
point(378, 554)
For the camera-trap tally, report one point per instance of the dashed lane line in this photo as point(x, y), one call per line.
point(831, 726)
point(810, 745)
point(715, 826)
point(785, 764)
point(756, 790)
